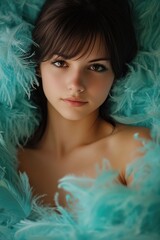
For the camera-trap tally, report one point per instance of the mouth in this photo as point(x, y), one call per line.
point(74, 102)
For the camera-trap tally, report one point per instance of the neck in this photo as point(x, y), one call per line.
point(62, 136)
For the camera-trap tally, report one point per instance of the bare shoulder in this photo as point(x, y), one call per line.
point(129, 132)
point(131, 138)
point(25, 158)
point(133, 147)
point(23, 154)
point(125, 147)
point(126, 139)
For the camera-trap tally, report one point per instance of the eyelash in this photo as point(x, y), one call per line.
point(62, 63)
point(100, 68)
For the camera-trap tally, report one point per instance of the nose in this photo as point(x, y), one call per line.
point(76, 82)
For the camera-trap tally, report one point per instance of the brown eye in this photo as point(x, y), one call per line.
point(98, 68)
point(60, 64)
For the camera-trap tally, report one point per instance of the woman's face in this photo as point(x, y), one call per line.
point(77, 87)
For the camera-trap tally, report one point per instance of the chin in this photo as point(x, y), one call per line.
point(73, 116)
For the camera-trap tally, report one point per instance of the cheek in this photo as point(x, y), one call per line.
point(51, 83)
point(102, 88)
point(103, 92)
point(107, 83)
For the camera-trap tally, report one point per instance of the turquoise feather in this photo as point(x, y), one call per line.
point(105, 209)
point(16, 205)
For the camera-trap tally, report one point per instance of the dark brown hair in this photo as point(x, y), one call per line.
point(69, 27)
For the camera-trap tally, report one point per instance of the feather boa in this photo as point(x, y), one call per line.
point(105, 209)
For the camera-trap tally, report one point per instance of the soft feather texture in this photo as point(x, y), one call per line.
point(135, 99)
point(20, 207)
point(105, 209)
point(17, 73)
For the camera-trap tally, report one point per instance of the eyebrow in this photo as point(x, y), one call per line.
point(100, 59)
point(60, 55)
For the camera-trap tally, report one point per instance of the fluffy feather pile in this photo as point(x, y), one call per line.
point(105, 209)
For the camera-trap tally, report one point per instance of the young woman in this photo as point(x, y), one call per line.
point(81, 48)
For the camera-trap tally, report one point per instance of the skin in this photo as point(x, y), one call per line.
point(76, 138)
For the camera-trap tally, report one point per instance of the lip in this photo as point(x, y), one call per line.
point(74, 102)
